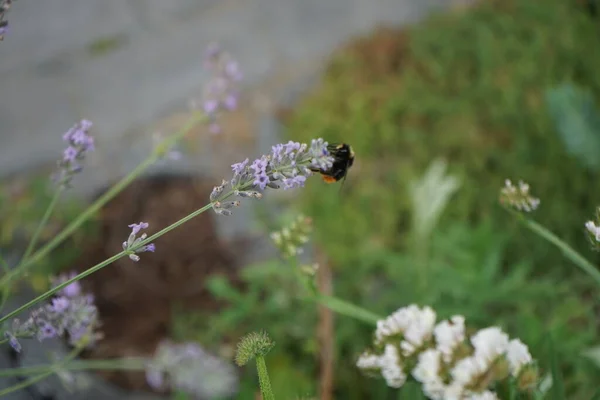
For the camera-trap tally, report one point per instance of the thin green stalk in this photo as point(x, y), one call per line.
point(263, 379)
point(98, 204)
point(42, 223)
point(104, 263)
point(567, 250)
point(41, 376)
point(350, 310)
point(122, 364)
point(6, 289)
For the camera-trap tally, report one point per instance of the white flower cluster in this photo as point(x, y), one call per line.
point(447, 366)
point(518, 197)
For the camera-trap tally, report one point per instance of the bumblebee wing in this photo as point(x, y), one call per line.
point(345, 176)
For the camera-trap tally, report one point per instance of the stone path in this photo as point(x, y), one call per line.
point(127, 65)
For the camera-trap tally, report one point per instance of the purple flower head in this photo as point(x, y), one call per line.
point(155, 378)
point(4, 7)
point(240, 167)
point(72, 289)
point(187, 367)
point(211, 106)
point(70, 154)
point(75, 316)
point(295, 182)
point(59, 304)
point(287, 166)
point(136, 228)
point(133, 245)
point(261, 180)
point(12, 341)
point(79, 144)
point(46, 330)
point(221, 91)
point(150, 247)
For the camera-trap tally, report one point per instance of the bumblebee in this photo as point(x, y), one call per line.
point(343, 158)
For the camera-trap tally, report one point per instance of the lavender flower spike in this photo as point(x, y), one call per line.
point(72, 314)
point(79, 144)
point(133, 242)
point(189, 368)
point(221, 92)
point(4, 7)
point(287, 166)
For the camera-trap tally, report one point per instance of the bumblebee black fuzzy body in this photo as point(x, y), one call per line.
point(343, 158)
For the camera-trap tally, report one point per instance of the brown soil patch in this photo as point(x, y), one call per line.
point(136, 300)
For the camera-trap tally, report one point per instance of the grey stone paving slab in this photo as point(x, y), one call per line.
point(53, 78)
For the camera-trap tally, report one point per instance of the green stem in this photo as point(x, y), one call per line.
point(41, 376)
point(42, 224)
point(6, 289)
point(122, 364)
point(99, 203)
point(567, 250)
point(347, 309)
point(104, 263)
point(263, 379)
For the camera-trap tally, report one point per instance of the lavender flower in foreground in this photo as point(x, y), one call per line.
point(288, 166)
point(80, 143)
point(221, 92)
point(518, 197)
point(72, 313)
point(133, 242)
point(190, 368)
point(409, 343)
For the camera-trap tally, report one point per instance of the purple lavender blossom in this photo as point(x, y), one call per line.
point(132, 245)
point(13, 342)
point(221, 92)
point(288, 165)
point(79, 144)
point(74, 316)
point(71, 290)
point(187, 367)
point(4, 7)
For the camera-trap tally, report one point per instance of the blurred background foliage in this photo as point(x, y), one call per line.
point(23, 203)
point(505, 89)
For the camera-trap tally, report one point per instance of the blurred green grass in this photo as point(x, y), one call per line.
point(470, 88)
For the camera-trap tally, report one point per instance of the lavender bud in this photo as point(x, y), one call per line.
point(133, 243)
point(222, 211)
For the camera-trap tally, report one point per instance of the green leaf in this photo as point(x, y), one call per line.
point(593, 354)
point(577, 121)
point(557, 391)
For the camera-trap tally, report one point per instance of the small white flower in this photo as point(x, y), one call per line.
point(487, 395)
point(428, 367)
point(518, 197)
point(490, 343)
point(468, 369)
point(368, 361)
point(518, 356)
point(414, 324)
point(391, 368)
point(448, 335)
point(593, 229)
